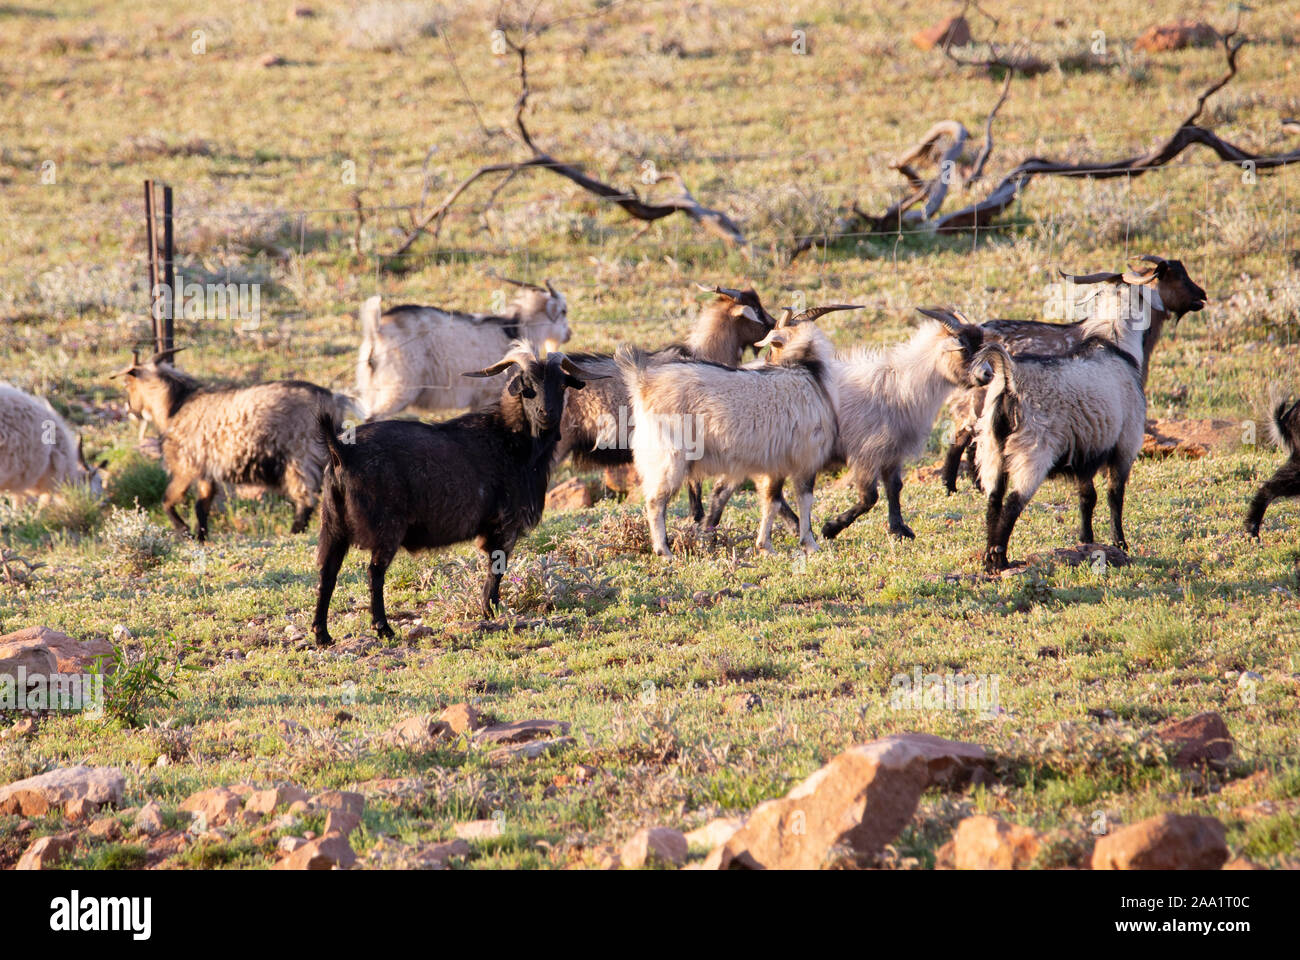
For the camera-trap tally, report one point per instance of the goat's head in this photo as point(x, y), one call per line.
point(1178, 292)
point(150, 385)
point(93, 476)
point(542, 313)
point(536, 388)
point(742, 310)
point(958, 340)
point(782, 333)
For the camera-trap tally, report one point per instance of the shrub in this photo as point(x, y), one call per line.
point(135, 479)
point(74, 508)
point(135, 540)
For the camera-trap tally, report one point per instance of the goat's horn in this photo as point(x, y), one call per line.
point(949, 319)
point(1091, 277)
point(493, 370)
point(167, 354)
point(135, 362)
point(569, 367)
point(729, 293)
point(776, 336)
point(515, 356)
point(550, 289)
point(816, 312)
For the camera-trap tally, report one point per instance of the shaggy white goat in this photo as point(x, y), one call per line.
point(39, 452)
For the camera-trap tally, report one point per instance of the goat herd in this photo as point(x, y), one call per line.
point(1032, 400)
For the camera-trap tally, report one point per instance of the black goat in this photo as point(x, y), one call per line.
point(481, 476)
point(1286, 482)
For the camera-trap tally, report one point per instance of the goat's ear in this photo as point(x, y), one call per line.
point(515, 386)
point(748, 313)
point(573, 383)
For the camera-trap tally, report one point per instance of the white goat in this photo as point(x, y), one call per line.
point(39, 452)
point(1062, 416)
point(695, 419)
point(413, 356)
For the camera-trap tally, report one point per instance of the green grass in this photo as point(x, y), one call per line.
point(615, 641)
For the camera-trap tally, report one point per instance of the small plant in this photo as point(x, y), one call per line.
point(16, 570)
point(138, 681)
point(136, 480)
point(135, 540)
point(75, 507)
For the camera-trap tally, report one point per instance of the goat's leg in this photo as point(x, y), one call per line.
point(1087, 502)
point(893, 490)
point(1115, 500)
point(766, 491)
point(868, 494)
point(723, 490)
point(787, 515)
point(971, 450)
point(952, 462)
point(1284, 483)
point(695, 494)
point(331, 554)
point(203, 508)
point(376, 570)
point(172, 496)
point(995, 555)
point(1012, 505)
point(498, 557)
point(658, 490)
point(803, 487)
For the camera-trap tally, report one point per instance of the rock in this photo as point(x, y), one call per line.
point(342, 800)
point(341, 821)
point(212, 807)
point(1241, 863)
point(390, 854)
point(715, 832)
point(987, 843)
point(71, 656)
point(288, 845)
point(289, 728)
point(299, 807)
point(461, 718)
point(263, 802)
point(530, 750)
point(521, 730)
point(744, 703)
point(77, 790)
point(328, 853)
point(105, 828)
point(1170, 841)
point(149, 820)
point(273, 60)
point(657, 845)
point(860, 800)
point(1192, 439)
point(299, 12)
point(1198, 740)
point(46, 852)
point(952, 32)
point(1162, 38)
point(417, 733)
point(32, 657)
point(568, 496)
point(477, 829)
point(23, 727)
point(393, 787)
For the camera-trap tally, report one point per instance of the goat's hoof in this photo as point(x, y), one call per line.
point(810, 547)
point(323, 639)
point(903, 532)
point(830, 531)
point(384, 632)
point(1252, 531)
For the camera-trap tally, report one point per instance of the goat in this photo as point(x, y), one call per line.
point(768, 423)
point(1162, 289)
point(39, 452)
point(596, 422)
point(261, 436)
point(1060, 416)
point(411, 356)
point(481, 476)
point(1286, 481)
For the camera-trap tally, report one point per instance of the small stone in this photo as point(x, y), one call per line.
point(572, 494)
point(417, 733)
point(987, 843)
point(273, 60)
point(1197, 740)
point(149, 820)
point(77, 790)
point(105, 828)
point(263, 802)
point(288, 845)
point(521, 730)
point(461, 718)
point(1170, 841)
point(46, 852)
point(950, 32)
point(715, 833)
point(529, 750)
point(328, 853)
point(655, 845)
point(216, 806)
point(341, 821)
point(478, 829)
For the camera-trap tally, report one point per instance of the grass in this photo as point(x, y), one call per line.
point(656, 664)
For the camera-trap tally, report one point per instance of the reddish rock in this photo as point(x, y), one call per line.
point(1198, 740)
point(76, 790)
point(341, 800)
point(521, 730)
point(987, 843)
point(1163, 38)
point(45, 853)
point(570, 495)
point(105, 828)
point(477, 829)
point(341, 821)
point(529, 750)
point(461, 718)
point(861, 799)
point(417, 733)
point(654, 845)
point(30, 656)
point(263, 802)
point(715, 832)
point(952, 32)
point(622, 479)
point(71, 656)
point(1241, 863)
point(215, 807)
point(149, 820)
point(328, 853)
point(1170, 841)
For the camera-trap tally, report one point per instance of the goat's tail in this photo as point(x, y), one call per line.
point(631, 364)
point(329, 435)
point(1286, 426)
